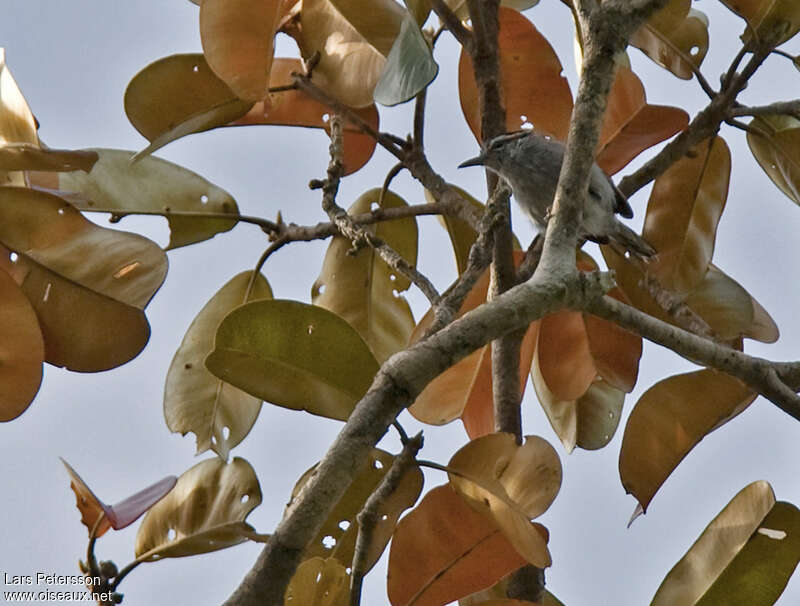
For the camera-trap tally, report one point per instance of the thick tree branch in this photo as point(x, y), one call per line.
point(453, 24)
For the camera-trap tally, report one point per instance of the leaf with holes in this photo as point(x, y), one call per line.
point(443, 550)
point(293, 355)
point(777, 149)
point(204, 512)
point(153, 185)
point(669, 420)
point(409, 68)
point(319, 581)
point(118, 516)
point(511, 484)
point(88, 284)
point(744, 556)
point(295, 108)
point(337, 537)
point(353, 39)
point(683, 213)
point(237, 37)
point(220, 415)
point(21, 350)
point(177, 96)
point(675, 37)
point(631, 125)
point(776, 20)
point(362, 288)
point(535, 91)
point(17, 124)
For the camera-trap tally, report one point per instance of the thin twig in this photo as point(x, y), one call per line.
point(117, 214)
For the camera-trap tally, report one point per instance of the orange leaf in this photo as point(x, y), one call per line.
point(118, 516)
point(444, 550)
point(295, 108)
point(631, 125)
point(237, 38)
point(534, 90)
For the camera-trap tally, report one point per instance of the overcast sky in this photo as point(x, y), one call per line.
point(73, 60)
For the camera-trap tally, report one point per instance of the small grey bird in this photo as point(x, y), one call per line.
point(531, 164)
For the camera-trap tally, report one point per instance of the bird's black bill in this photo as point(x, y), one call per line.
point(476, 161)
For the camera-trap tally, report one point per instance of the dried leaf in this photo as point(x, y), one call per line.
point(17, 124)
point(237, 38)
point(319, 581)
point(204, 512)
point(669, 420)
point(443, 550)
point(511, 484)
point(337, 537)
point(766, 18)
point(294, 355)
point(362, 289)
point(535, 91)
point(683, 213)
point(26, 156)
point(219, 414)
point(21, 350)
point(777, 150)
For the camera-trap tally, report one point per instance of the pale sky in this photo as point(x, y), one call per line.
point(73, 60)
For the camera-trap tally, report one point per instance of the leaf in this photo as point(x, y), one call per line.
point(353, 39)
point(296, 108)
point(765, 18)
point(683, 213)
point(337, 537)
point(535, 91)
point(237, 37)
point(294, 355)
point(409, 66)
point(724, 304)
point(204, 512)
point(118, 516)
point(511, 484)
point(153, 185)
point(88, 284)
point(669, 420)
point(17, 124)
point(362, 289)
point(219, 414)
point(465, 389)
point(461, 233)
point(631, 125)
point(443, 550)
point(777, 151)
point(675, 37)
point(21, 350)
point(744, 556)
point(319, 581)
point(177, 96)
point(26, 156)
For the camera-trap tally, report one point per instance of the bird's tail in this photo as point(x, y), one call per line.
point(632, 242)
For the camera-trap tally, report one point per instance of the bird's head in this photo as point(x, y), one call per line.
point(498, 151)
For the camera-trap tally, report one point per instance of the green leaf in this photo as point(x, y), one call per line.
point(21, 350)
point(88, 284)
point(744, 556)
point(153, 185)
point(219, 414)
point(177, 96)
point(294, 355)
point(409, 67)
point(361, 288)
point(204, 512)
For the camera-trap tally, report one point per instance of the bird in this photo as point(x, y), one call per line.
point(531, 163)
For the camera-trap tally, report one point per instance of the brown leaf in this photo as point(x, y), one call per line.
point(237, 38)
point(777, 149)
point(319, 581)
point(535, 92)
point(511, 484)
point(669, 420)
point(17, 124)
point(631, 125)
point(444, 550)
point(765, 18)
point(21, 349)
point(296, 108)
point(26, 156)
point(683, 213)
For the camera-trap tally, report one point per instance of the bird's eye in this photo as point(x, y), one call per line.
point(495, 144)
